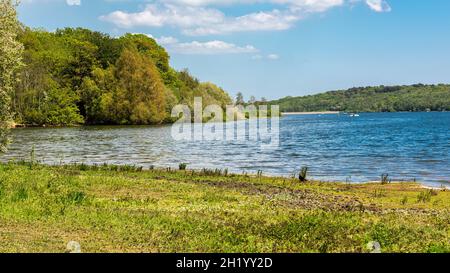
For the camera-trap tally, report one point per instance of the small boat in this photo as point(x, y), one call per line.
point(353, 115)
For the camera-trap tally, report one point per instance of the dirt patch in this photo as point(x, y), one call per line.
point(305, 199)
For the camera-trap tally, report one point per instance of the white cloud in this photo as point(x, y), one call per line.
point(195, 18)
point(378, 5)
point(68, 2)
point(167, 40)
point(273, 57)
point(311, 5)
point(209, 48)
point(157, 15)
point(261, 21)
point(215, 47)
point(73, 2)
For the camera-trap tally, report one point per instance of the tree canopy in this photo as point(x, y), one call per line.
point(418, 97)
point(78, 76)
point(10, 60)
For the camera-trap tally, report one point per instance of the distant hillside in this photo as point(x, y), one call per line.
point(416, 97)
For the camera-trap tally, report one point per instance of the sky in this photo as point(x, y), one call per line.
point(276, 48)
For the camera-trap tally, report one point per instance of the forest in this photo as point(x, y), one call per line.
point(414, 98)
point(78, 76)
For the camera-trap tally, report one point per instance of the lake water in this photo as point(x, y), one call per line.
point(407, 146)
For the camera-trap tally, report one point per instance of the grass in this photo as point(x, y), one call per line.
point(127, 209)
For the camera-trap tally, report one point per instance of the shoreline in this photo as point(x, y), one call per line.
point(253, 175)
point(14, 125)
point(310, 113)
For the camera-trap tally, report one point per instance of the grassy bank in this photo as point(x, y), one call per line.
point(111, 209)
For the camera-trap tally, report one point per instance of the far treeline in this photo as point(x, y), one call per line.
point(78, 76)
point(415, 98)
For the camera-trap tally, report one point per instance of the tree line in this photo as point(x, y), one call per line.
point(415, 98)
point(78, 76)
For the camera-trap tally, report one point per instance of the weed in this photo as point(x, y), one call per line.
point(303, 174)
point(379, 193)
point(32, 157)
point(76, 197)
point(213, 172)
point(182, 166)
point(404, 200)
point(425, 196)
point(21, 194)
point(385, 179)
point(259, 174)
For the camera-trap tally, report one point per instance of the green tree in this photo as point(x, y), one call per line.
point(212, 94)
point(239, 99)
point(143, 86)
point(89, 76)
point(10, 60)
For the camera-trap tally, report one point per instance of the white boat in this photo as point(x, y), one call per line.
point(354, 115)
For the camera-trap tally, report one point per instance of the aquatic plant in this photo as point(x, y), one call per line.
point(182, 166)
point(303, 174)
point(259, 174)
point(212, 172)
point(385, 179)
point(32, 156)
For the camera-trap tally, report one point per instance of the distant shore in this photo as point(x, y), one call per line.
point(310, 113)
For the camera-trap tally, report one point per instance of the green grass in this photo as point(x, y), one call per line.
point(127, 209)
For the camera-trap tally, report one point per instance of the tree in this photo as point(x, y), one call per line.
point(144, 88)
point(252, 100)
point(10, 60)
point(76, 75)
point(239, 99)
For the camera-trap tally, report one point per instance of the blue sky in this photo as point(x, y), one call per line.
point(276, 48)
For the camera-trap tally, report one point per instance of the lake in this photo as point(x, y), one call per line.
point(407, 146)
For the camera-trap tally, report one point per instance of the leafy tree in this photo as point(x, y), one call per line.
point(145, 92)
point(92, 78)
point(239, 99)
point(149, 47)
point(10, 60)
point(186, 77)
point(212, 94)
point(108, 49)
